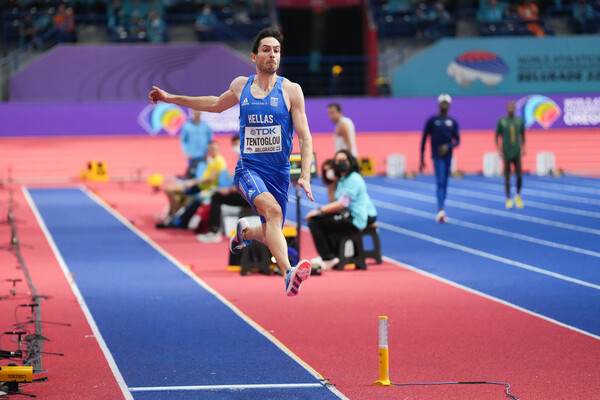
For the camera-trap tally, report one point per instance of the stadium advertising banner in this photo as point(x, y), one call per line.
point(496, 66)
point(369, 115)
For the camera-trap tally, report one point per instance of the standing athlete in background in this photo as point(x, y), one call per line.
point(195, 137)
point(271, 107)
point(344, 137)
point(444, 137)
point(512, 131)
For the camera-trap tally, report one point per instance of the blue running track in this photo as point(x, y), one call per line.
point(544, 259)
point(169, 335)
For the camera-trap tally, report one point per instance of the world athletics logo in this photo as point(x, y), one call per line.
point(537, 108)
point(163, 116)
point(477, 65)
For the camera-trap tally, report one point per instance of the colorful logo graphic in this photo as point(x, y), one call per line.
point(163, 116)
point(537, 108)
point(477, 65)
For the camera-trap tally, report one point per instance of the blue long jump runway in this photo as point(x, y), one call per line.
point(169, 335)
point(544, 259)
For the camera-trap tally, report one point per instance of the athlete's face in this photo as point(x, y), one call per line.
point(196, 115)
point(510, 107)
point(213, 149)
point(444, 106)
point(334, 114)
point(268, 56)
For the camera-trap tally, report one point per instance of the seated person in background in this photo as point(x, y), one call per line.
point(493, 13)
point(117, 20)
point(223, 195)
point(400, 6)
point(528, 11)
point(329, 179)
point(585, 19)
point(156, 30)
point(431, 21)
point(206, 24)
point(27, 30)
point(352, 210)
point(177, 190)
point(44, 22)
point(441, 20)
point(64, 20)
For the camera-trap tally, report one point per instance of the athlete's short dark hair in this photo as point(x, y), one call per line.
point(336, 106)
point(267, 32)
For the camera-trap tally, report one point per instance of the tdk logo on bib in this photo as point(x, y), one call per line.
point(264, 139)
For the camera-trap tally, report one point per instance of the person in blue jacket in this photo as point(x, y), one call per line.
point(444, 137)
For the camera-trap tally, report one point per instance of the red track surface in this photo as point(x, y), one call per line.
point(437, 332)
point(576, 150)
point(83, 372)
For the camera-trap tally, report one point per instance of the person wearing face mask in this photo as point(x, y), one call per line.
point(226, 193)
point(329, 179)
point(177, 190)
point(351, 209)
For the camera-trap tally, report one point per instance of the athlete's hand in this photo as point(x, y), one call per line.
point(157, 95)
point(305, 184)
point(442, 150)
point(421, 166)
point(523, 152)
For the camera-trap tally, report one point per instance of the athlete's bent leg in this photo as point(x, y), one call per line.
point(270, 232)
point(174, 191)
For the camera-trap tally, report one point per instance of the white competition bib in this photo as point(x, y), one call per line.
point(262, 139)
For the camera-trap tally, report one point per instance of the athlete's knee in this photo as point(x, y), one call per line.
point(174, 188)
point(272, 211)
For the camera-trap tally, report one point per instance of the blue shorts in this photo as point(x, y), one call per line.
point(250, 183)
point(192, 190)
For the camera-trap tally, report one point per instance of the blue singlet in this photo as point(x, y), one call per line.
point(266, 133)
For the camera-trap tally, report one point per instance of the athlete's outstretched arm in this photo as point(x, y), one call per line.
point(298, 112)
point(202, 103)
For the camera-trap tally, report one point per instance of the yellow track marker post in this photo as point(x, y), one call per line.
point(384, 357)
